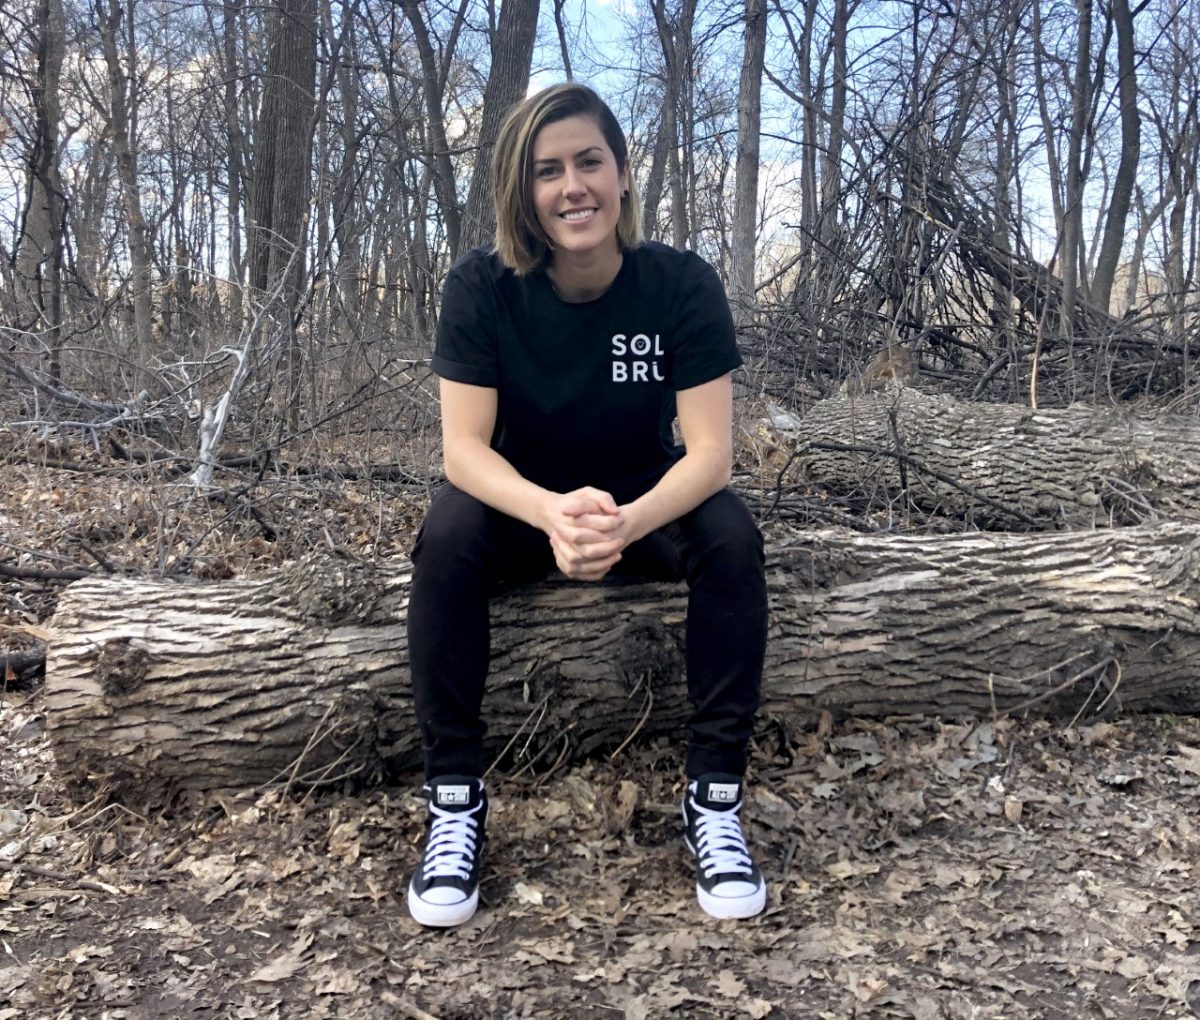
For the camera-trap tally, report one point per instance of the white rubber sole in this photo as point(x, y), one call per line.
point(441, 915)
point(726, 907)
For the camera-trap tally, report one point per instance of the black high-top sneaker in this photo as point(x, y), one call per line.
point(444, 890)
point(728, 882)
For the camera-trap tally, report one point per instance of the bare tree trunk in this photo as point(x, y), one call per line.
point(434, 84)
point(562, 39)
point(675, 37)
point(1131, 132)
point(283, 154)
point(831, 157)
point(652, 196)
point(1049, 131)
point(236, 149)
point(304, 675)
point(39, 262)
point(283, 170)
point(1071, 238)
point(745, 202)
point(125, 100)
point(508, 80)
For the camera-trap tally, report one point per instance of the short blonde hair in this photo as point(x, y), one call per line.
point(520, 240)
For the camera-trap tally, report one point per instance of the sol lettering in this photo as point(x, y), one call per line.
point(640, 347)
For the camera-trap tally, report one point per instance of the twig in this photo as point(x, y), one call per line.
point(513, 739)
point(924, 469)
point(33, 574)
point(1065, 685)
point(648, 704)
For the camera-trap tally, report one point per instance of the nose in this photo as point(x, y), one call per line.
point(572, 182)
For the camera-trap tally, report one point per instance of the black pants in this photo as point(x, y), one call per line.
point(465, 548)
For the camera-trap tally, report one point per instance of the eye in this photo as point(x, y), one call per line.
point(546, 171)
point(590, 162)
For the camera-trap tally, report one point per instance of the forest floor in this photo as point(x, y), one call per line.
point(918, 868)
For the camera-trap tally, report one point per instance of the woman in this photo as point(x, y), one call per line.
point(564, 354)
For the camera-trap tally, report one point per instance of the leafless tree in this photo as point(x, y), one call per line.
point(745, 216)
point(508, 78)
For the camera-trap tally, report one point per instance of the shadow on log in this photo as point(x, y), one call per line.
point(1004, 466)
point(302, 676)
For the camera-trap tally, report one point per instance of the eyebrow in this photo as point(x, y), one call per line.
point(581, 152)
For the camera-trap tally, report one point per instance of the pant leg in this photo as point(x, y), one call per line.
point(723, 562)
point(463, 549)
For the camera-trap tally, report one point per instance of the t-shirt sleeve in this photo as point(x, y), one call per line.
point(465, 350)
point(706, 347)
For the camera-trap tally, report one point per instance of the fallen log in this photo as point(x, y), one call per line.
point(302, 676)
point(1004, 466)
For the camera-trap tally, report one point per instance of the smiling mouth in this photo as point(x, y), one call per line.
point(576, 214)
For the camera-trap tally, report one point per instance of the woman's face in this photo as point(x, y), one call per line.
point(576, 186)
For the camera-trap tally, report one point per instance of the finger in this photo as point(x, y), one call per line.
point(581, 536)
point(575, 504)
point(574, 561)
point(587, 538)
point(592, 571)
point(600, 522)
point(586, 551)
point(600, 500)
point(606, 503)
point(602, 550)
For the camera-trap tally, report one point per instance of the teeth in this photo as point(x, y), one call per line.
point(582, 214)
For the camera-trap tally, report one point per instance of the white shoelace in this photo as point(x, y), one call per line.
point(720, 845)
point(452, 842)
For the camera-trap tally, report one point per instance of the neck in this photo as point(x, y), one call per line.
point(584, 277)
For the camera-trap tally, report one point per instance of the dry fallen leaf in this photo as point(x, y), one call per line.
point(849, 869)
point(287, 964)
point(729, 985)
point(280, 969)
point(618, 809)
point(339, 982)
point(528, 894)
point(1188, 760)
point(869, 989)
point(1133, 967)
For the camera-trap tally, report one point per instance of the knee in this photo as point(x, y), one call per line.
point(724, 530)
point(455, 526)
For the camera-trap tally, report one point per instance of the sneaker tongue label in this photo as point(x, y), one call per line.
point(722, 793)
point(454, 795)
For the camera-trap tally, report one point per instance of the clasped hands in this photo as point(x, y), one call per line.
point(587, 532)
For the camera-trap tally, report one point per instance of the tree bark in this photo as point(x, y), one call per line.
point(124, 88)
point(433, 87)
point(303, 675)
point(1070, 237)
point(675, 37)
point(1005, 465)
point(283, 151)
point(508, 80)
point(1131, 131)
point(745, 211)
point(38, 287)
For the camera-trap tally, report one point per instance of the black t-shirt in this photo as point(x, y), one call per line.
point(586, 391)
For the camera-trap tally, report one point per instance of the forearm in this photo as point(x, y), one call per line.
point(690, 481)
point(481, 472)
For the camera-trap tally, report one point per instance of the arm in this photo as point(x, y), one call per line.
point(706, 420)
point(468, 420)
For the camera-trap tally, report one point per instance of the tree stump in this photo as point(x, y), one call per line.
point(1005, 466)
point(303, 675)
